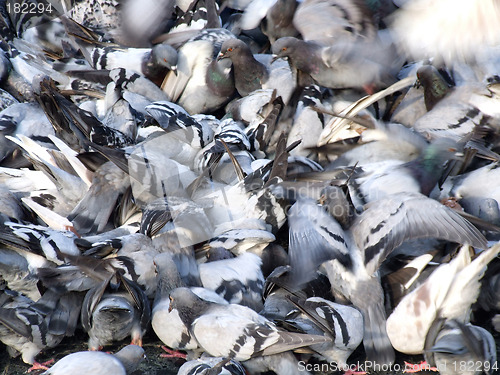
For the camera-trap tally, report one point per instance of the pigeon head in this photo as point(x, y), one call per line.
point(336, 203)
point(232, 48)
point(165, 55)
point(188, 305)
point(131, 356)
point(285, 48)
point(442, 150)
point(435, 85)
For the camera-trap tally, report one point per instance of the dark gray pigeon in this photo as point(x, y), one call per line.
point(274, 17)
point(358, 64)
point(249, 74)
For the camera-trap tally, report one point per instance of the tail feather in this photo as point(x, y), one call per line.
point(378, 348)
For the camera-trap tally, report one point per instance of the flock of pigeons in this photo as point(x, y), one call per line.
point(268, 185)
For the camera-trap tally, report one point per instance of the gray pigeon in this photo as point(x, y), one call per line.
point(209, 365)
point(201, 84)
point(113, 310)
point(154, 63)
point(167, 325)
point(274, 17)
point(122, 362)
point(317, 315)
point(28, 327)
point(238, 280)
point(463, 349)
point(332, 21)
point(234, 331)
point(92, 213)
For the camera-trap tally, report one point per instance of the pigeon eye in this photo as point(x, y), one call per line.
point(451, 149)
point(229, 49)
point(283, 49)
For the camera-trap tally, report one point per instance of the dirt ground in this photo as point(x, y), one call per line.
point(152, 365)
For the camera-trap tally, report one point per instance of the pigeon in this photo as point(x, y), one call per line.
point(473, 184)
point(246, 334)
point(343, 323)
point(251, 237)
point(175, 333)
point(256, 72)
point(27, 327)
point(238, 280)
point(113, 310)
point(463, 349)
point(452, 19)
point(38, 241)
point(351, 248)
point(419, 175)
point(435, 85)
point(307, 122)
point(135, 84)
point(123, 362)
point(274, 17)
point(23, 118)
point(202, 84)
point(334, 21)
point(154, 63)
point(206, 365)
point(136, 253)
point(450, 291)
point(249, 74)
point(458, 113)
point(137, 33)
point(343, 65)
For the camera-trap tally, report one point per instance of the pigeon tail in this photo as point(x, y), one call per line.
point(378, 348)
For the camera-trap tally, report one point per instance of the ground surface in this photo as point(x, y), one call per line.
point(154, 364)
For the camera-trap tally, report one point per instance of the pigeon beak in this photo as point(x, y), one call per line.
point(174, 69)
point(220, 56)
point(277, 57)
point(170, 305)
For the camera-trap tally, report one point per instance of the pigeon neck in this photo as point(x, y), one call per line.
point(166, 282)
point(435, 91)
point(306, 60)
point(188, 314)
point(220, 78)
